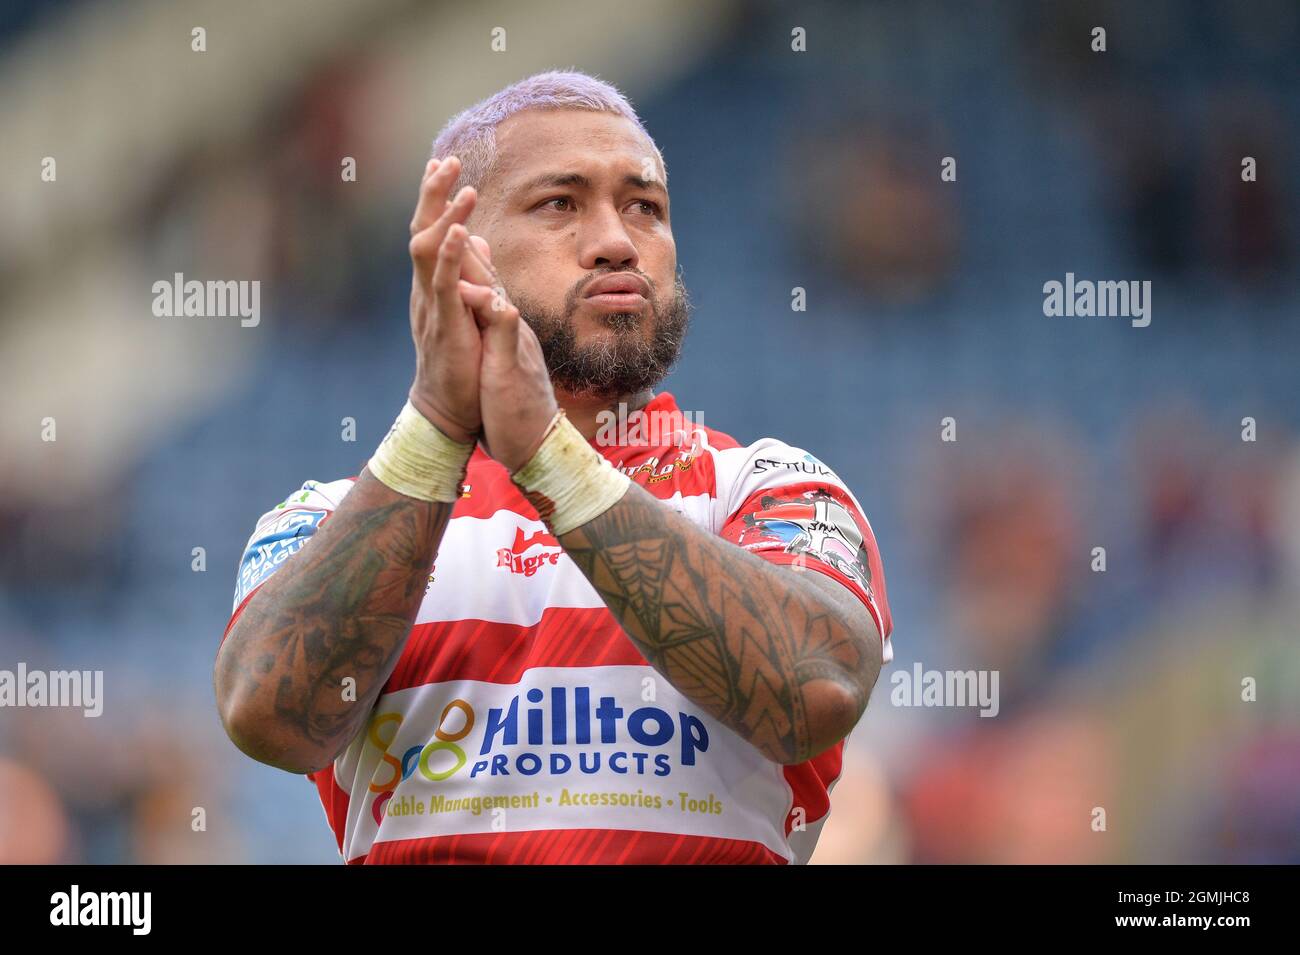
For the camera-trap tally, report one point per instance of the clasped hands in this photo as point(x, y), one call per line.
point(480, 374)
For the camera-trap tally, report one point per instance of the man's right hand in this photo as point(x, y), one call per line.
point(447, 341)
point(342, 607)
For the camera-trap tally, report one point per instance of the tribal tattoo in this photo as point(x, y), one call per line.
point(785, 659)
point(341, 607)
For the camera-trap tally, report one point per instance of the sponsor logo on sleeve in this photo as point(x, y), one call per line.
point(804, 465)
point(278, 539)
point(810, 525)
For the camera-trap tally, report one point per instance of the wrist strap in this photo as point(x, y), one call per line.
point(418, 460)
point(567, 480)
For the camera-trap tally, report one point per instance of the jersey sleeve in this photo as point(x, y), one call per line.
point(784, 505)
point(280, 533)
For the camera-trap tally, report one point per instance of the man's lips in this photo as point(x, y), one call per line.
point(623, 290)
point(623, 300)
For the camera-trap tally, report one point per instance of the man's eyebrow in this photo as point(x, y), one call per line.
point(578, 180)
point(649, 185)
point(550, 179)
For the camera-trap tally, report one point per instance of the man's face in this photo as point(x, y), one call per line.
point(576, 198)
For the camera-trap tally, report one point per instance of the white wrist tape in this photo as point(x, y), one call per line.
point(567, 480)
point(418, 460)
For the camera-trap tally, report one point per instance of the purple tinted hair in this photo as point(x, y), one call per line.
point(471, 134)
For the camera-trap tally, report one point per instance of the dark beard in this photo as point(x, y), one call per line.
point(626, 364)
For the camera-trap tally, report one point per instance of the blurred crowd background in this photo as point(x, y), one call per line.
point(1119, 689)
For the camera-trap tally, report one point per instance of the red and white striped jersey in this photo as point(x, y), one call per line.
point(521, 724)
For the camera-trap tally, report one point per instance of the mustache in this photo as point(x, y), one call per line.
point(625, 364)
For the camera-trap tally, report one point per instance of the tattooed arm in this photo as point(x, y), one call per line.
point(341, 607)
point(787, 660)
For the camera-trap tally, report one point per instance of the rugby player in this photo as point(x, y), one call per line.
point(510, 641)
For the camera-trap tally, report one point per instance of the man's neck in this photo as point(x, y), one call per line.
point(583, 411)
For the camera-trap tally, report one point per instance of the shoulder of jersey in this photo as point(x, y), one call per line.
point(771, 462)
point(767, 462)
point(282, 531)
point(312, 494)
point(308, 505)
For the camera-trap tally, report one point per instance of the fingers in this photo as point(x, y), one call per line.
point(477, 298)
point(433, 214)
point(434, 187)
point(425, 245)
point(446, 275)
point(496, 317)
point(479, 271)
point(477, 265)
point(481, 248)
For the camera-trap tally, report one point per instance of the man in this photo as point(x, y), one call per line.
point(630, 649)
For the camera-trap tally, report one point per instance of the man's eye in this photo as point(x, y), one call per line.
point(568, 203)
point(650, 208)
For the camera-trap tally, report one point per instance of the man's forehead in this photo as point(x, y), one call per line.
point(536, 141)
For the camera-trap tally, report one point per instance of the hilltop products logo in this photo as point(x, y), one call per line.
point(194, 299)
point(516, 559)
point(637, 428)
point(648, 738)
point(1085, 298)
point(80, 688)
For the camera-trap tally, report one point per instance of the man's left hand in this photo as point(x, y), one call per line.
point(516, 398)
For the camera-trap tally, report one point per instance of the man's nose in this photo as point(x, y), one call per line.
point(605, 242)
